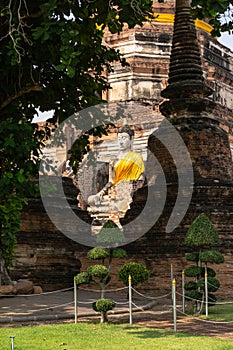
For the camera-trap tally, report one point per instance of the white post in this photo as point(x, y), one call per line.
point(183, 292)
point(171, 273)
point(130, 300)
point(174, 302)
point(75, 302)
point(12, 337)
point(206, 292)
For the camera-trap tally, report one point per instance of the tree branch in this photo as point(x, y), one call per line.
point(19, 94)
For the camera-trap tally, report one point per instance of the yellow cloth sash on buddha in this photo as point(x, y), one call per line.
point(130, 167)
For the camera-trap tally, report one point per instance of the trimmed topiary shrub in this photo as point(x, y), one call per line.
point(137, 271)
point(211, 299)
point(103, 306)
point(192, 257)
point(110, 234)
point(202, 235)
point(83, 278)
point(99, 271)
point(193, 295)
point(119, 253)
point(213, 284)
point(193, 271)
point(211, 256)
point(98, 253)
point(190, 285)
point(210, 272)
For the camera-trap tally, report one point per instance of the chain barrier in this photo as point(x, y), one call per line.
point(203, 301)
point(86, 302)
point(123, 303)
point(99, 290)
point(203, 320)
point(48, 308)
point(149, 297)
point(36, 294)
point(141, 308)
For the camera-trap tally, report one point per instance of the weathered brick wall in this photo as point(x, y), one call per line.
point(51, 259)
point(43, 254)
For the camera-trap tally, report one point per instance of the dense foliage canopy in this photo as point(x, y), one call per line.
point(52, 58)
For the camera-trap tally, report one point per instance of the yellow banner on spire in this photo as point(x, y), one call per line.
point(169, 18)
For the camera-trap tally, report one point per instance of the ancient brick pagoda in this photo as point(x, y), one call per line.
point(198, 92)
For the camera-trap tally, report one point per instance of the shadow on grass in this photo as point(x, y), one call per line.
point(153, 333)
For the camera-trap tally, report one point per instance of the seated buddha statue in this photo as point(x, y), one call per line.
point(125, 177)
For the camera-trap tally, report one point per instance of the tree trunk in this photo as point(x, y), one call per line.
point(104, 317)
point(102, 285)
point(4, 276)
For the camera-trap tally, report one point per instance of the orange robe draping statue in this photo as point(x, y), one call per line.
point(129, 168)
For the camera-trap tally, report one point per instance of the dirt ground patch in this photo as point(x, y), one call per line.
point(191, 325)
point(154, 320)
point(160, 316)
point(163, 320)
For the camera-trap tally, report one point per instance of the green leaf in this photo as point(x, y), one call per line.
point(59, 67)
point(70, 72)
point(37, 33)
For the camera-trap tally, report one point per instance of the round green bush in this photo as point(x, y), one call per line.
point(211, 256)
point(193, 271)
point(98, 253)
point(213, 284)
point(193, 294)
point(98, 271)
point(211, 299)
point(82, 278)
point(103, 305)
point(192, 257)
point(119, 253)
point(190, 286)
point(210, 272)
point(137, 271)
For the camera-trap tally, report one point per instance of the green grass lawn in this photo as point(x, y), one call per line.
point(90, 336)
point(222, 312)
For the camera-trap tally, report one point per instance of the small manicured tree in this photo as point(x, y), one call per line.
point(103, 306)
point(137, 271)
point(100, 275)
point(202, 235)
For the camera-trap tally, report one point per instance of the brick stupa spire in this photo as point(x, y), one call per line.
point(185, 73)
